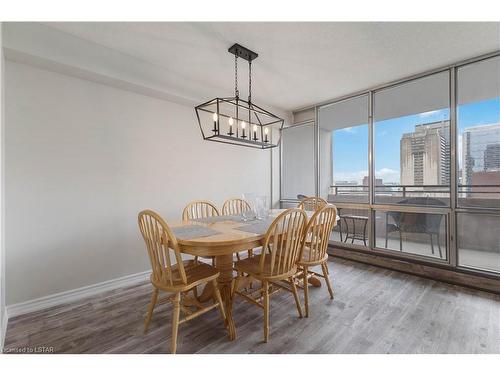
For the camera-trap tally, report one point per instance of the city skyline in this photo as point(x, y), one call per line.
point(350, 145)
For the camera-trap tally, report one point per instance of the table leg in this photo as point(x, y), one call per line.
point(224, 264)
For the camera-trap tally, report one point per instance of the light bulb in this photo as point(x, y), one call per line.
point(214, 116)
point(230, 121)
point(266, 130)
point(243, 124)
point(255, 128)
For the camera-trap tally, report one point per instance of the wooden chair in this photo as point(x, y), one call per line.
point(315, 244)
point(200, 210)
point(171, 274)
point(312, 203)
point(278, 261)
point(235, 206)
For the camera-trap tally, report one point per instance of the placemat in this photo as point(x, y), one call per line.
point(218, 219)
point(258, 226)
point(189, 232)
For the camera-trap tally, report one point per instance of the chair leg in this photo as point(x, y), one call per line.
point(306, 292)
point(400, 241)
point(439, 246)
point(296, 296)
point(175, 322)
point(152, 304)
point(324, 266)
point(219, 300)
point(432, 244)
point(235, 285)
point(266, 311)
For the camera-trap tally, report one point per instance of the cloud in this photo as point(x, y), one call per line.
point(428, 114)
point(350, 176)
point(349, 130)
point(388, 175)
point(385, 172)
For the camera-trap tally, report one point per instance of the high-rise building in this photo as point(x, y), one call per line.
point(480, 152)
point(425, 155)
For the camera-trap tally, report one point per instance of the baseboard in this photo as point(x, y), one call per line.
point(452, 276)
point(74, 295)
point(3, 329)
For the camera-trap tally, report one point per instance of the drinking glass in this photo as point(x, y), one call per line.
point(249, 214)
point(262, 207)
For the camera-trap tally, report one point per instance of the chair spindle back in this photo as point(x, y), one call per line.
point(283, 242)
point(235, 206)
point(312, 203)
point(158, 237)
point(199, 210)
point(317, 233)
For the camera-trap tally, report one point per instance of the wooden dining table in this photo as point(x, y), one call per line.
point(221, 237)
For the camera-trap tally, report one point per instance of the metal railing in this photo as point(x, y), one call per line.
point(406, 190)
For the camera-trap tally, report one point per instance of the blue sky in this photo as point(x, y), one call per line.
point(350, 145)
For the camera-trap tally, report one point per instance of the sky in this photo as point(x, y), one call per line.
point(350, 145)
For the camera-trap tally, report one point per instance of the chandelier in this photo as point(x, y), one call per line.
point(236, 121)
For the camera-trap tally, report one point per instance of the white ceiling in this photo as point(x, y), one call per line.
point(299, 64)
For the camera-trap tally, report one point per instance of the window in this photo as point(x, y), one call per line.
point(298, 165)
point(478, 134)
point(477, 247)
point(412, 232)
point(413, 212)
point(353, 227)
point(412, 142)
point(343, 137)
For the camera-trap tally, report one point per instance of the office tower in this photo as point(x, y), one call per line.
point(481, 153)
point(425, 155)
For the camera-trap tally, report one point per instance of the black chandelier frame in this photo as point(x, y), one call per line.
point(264, 120)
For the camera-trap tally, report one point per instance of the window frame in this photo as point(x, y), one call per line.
point(450, 212)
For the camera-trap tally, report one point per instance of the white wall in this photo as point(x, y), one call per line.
point(82, 159)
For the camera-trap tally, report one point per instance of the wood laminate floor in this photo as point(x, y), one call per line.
point(375, 310)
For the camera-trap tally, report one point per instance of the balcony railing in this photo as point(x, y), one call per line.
point(439, 195)
point(406, 190)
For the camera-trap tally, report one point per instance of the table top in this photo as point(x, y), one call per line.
point(223, 235)
point(227, 232)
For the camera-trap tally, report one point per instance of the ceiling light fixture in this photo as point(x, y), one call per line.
point(224, 119)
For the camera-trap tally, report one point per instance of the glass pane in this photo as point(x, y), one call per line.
point(477, 247)
point(297, 144)
point(343, 133)
point(352, 228)
point(412, 142)
point(409, 232)
point(478, 135)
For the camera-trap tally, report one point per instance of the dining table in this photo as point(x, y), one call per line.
point(221, 237)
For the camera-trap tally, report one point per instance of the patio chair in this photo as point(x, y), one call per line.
point(411, 222)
